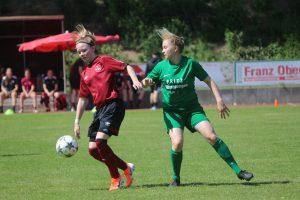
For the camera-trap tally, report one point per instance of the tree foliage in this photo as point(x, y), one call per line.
point(257, 29)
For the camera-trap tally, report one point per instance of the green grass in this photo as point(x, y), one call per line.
point(264, 140)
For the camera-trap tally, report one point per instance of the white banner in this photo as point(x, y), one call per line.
point(267, 73)
point(221, 72)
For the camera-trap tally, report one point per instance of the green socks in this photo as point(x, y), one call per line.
point(223, 151)
point(176, 159)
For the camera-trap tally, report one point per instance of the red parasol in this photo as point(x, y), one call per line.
point(60, 42)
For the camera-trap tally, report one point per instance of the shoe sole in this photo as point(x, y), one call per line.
point(248, 179)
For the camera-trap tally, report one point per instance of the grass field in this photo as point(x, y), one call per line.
point(264, 140)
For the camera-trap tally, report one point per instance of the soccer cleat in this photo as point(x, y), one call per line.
point(21, 111)
point(175, 183)
point(128, 173)
point(116, 184)
point(244, 175)
point(35, 111)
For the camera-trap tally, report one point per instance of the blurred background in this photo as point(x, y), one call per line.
point(225, 36)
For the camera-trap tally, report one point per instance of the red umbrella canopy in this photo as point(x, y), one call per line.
point(60, 42)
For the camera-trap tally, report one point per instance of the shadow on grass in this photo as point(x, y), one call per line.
point(216, 184)
point(20, 154)
point(194, 184)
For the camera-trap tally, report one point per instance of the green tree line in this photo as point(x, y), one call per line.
point(213, 29)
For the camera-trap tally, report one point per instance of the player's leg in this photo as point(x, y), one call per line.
point(2, 97)
point(74, 95)
point(94, 152)
point(22, 98)
point(46, 100)
point(107, 121)
point(175, 123)
point(155, 98)
point(33, 96)
point(176, 136)
point(56, 102)
point(14, 96)
point(207, 131)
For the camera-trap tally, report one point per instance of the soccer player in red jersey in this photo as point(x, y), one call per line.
point(28, 91)
point(98, 80)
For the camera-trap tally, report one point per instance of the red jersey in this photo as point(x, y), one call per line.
point(27, 83)
point(98, 79)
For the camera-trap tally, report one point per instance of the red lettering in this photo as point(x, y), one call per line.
point(280, 70)
point(247, 70)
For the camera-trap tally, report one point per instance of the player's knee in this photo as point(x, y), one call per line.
point(177, 145)
point(101, 143)
point(56, 94)
point(212, 138)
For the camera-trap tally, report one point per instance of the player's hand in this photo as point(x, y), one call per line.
point(77, 130)
point(147, 82)
point(223, 110)
point(137, 85)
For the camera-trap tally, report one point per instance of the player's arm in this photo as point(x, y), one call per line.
point(152, 77)
point(3, 89)
point(55, 88)
point(31, 89)
point(24, 91)
point(222, 108)
point(45, 89)
point(82, 103)
point(15, 88)
point(136, 83)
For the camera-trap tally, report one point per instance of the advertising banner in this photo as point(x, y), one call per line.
point(267, 73)
point(221, 72)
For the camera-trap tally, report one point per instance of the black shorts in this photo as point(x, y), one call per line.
point(107, 119)
point(154, 87)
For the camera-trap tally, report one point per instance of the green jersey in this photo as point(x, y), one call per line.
point(178, 83)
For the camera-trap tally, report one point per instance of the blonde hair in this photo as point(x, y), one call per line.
point(84, 36)
point(165, 34)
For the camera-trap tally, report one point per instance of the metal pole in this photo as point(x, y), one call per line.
point(23, 40)
point(64, 63)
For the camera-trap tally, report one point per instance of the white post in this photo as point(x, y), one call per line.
point(64, 62)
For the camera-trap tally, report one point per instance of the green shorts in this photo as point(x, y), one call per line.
point(181, 119)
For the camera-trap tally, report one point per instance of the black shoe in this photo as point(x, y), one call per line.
point(244, 175)
point(175, 183)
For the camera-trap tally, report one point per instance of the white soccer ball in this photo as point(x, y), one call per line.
point(66, 146)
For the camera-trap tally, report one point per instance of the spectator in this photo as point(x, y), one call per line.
point(2, 73)
point(129, 93)
point(75, 72)
point(28, 91)
point(9, 89)
point(154, 88)
point(50, 87)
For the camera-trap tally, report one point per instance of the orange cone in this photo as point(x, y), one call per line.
point(276, 103)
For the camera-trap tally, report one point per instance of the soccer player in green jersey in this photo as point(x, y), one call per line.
point(181, 108)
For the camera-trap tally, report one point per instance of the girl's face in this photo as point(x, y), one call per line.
point(169, 49)
point(27, 74)
point(86, 52)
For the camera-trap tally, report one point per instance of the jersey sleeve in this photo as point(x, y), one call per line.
point(155, 73)
point(113, 64)
point(199, 72)
point(83, 90)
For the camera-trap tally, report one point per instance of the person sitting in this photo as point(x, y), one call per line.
point(28, 91)
point(156, 58)
point(50, 87)
point(75, 72)
point(9, 89)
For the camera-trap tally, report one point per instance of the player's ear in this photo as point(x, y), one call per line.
point(176, 49)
